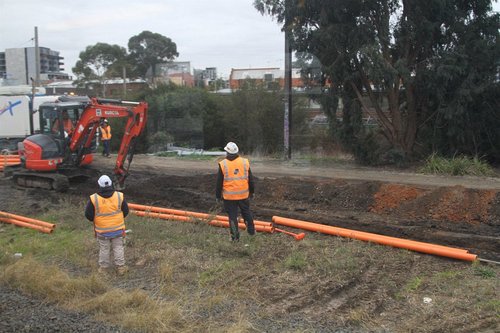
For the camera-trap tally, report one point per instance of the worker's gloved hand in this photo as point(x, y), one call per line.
point(218, 201)
point(252, 196)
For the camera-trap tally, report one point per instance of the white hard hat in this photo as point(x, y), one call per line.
point(104, 181)
point(231, 148)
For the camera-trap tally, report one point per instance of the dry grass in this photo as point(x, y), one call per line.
point(133, 309)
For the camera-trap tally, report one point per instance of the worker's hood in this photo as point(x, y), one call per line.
point(232, 157)
point(106, 192)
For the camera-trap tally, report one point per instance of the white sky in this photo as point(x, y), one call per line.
point(209, 33)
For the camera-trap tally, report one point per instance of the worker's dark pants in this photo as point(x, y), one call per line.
point(231, 208)
point(105, 145)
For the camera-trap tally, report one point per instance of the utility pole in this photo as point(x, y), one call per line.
point(124, 69)
point(288, 91)
point(37, 59)
point(31, 106)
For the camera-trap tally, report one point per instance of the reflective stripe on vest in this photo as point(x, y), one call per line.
point(235, 185)
point(108, 214)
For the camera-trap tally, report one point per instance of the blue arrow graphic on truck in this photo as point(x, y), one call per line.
point(9, 108)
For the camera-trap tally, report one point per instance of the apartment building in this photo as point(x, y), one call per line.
point(18, 65)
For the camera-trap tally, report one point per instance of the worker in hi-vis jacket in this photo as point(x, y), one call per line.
point(107, 209)
point(235, 186)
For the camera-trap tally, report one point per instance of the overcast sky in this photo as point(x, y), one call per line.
point(209, 33)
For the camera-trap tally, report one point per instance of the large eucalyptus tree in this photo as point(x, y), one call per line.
point(408, 63)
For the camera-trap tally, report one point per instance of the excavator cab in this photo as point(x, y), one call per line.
point(57, 123)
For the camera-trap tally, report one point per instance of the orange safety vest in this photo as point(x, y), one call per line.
point(67, 124)
point(235, 185)
point(108, 213)
point(106, 133)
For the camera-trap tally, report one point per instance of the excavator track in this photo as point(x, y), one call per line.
point(48, 181)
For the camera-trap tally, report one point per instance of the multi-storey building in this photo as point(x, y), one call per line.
point(205, 77)
point(177, 72)
point(18, 65)
point(270, 78)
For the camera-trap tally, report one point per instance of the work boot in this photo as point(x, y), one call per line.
point(121, 270)
point(102, 270)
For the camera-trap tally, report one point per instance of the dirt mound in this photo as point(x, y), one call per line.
point(453, 204)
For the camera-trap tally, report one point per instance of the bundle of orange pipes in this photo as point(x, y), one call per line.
point(26, 222)
point(6, 160)
point(214, 220)
point(187, 216)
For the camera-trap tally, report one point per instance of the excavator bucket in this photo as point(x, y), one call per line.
point(119, 182)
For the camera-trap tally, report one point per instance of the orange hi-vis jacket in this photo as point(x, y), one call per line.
point(235, 185)
point(106, 133)
point(108, 213)
point(67, 124)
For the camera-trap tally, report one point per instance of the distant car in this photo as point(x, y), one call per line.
point(319, 120)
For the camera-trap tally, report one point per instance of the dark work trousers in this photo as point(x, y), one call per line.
point(105, 144)
point(231, 208)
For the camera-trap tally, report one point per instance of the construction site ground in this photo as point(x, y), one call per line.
point(461, 212)
point(457, 211)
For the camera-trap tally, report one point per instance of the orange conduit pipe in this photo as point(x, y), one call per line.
point(386, 240)
point(213, 222)
point(4, 163)
point(9, 160)
point(26, 225)
point(27, 220)
point(379, 239)
point(188, 213)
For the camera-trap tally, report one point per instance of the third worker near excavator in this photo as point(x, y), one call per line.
point(235, 186)
point(105, 137)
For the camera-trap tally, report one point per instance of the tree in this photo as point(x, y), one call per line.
point(386, 53)
point(97, 60)
point(149, 49)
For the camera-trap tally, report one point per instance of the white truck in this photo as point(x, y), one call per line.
point(15, 118)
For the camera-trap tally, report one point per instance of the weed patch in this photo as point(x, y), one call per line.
point(456, 166)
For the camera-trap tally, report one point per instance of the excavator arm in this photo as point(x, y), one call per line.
point(87, 125)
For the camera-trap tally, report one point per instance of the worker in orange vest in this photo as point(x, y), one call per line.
point(105, 137)
point(235, 186)
point(67, 124)
point(107, 209)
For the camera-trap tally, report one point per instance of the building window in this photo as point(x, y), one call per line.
point(268, 77)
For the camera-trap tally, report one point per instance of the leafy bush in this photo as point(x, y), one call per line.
point(159, 141)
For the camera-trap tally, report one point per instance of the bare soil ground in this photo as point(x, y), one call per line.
point(461, 212)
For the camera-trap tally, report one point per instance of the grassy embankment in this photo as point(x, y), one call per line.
point(188, 277)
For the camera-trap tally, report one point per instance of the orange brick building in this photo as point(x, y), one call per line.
point(268, 77)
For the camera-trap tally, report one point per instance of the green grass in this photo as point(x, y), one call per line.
point(414, 284)
point(296, 261)
point(456, 166)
